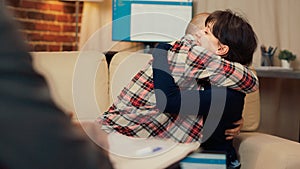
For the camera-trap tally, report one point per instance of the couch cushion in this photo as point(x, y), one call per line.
point(122, 68)
point(58, 69)
point(264, 151)
point(251, 113)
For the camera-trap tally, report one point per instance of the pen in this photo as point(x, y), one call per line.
point(147, 150)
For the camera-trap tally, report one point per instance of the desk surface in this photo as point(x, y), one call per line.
point(277, 72)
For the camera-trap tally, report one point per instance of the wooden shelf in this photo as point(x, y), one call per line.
point(277, 72)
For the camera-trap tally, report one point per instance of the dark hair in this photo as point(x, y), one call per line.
point(235, 32)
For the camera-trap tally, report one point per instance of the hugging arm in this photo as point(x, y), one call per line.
point(170, 99)
point(199, 63)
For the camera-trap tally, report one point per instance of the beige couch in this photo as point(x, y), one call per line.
point(82, 82)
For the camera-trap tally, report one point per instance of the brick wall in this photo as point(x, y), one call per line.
point(47, 25)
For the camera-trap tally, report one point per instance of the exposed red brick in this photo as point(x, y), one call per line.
point(67, 28)
point(35, 15)
point(47, 27)
point(34, 37)
point(63, 18)
point(41, 26)
point(19, 14)
point(41, 16)
point(27, 25)
point(49, 17)
point(56, 7)
point(34, 5)
point(80, 17)
point(65, 38)
point(40, 35)
point(42, 6)
point(28, 4)
point(80, 7)
point(68, 47)
point(50, 38)
point(54, 28)
point(69, 9)
point(54, 48)
point(40, 47)
point(14, 3)
point(73, 19)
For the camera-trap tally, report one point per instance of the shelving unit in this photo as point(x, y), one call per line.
point(277, 72)
point(270, 76)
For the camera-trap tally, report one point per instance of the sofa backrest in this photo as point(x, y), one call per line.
point(124, 65)
point(251, 113)
point(58, 69)
point(122, 68)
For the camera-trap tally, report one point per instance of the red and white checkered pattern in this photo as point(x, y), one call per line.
point(134, 112)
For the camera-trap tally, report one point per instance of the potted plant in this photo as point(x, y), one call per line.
point(286, 57)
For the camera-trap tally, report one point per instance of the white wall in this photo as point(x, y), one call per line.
point(276, 22)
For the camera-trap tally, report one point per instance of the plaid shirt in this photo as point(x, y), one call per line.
point(134, 113)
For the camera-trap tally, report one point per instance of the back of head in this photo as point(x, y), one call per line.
point(197, 23)
point(235, 32)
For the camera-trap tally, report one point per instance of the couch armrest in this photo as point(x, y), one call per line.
point(263, 151)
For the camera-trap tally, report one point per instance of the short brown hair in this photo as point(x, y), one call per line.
point(235, 32)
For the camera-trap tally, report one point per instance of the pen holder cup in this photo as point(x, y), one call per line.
point(266, 59)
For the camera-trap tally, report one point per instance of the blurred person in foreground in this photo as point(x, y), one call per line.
point(35, 134)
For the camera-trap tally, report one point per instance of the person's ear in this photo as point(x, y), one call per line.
point(222, 50)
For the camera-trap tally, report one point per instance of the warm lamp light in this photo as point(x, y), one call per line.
point(77, 18)
point(84, 0)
